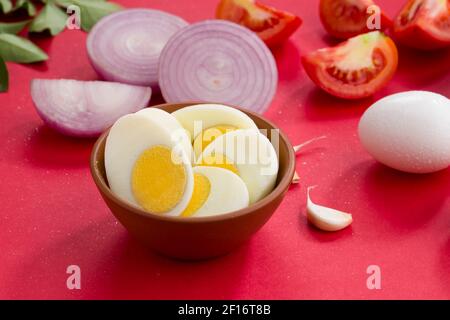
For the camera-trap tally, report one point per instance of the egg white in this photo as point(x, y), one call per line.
point(228, 192)
point(128, 138)
point(178, 134)
point(211, 115)
point(253, 155)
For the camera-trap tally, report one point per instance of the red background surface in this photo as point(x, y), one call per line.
point(52, 215)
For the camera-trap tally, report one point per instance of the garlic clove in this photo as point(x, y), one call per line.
point(325, 218)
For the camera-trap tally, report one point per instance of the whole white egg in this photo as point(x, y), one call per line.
point(408, 131)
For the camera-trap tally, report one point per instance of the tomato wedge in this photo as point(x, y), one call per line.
point(344, 19)
point(356, 68)
point(424, 24)
point(273, 26)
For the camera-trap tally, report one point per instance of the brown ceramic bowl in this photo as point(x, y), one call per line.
point(196, 238)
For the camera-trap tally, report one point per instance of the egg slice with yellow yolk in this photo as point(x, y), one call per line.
point(209, 135)
point(218, 160)
point(216, 191)
point(249, 154)
point(179, 135)
point(197, 118)
point(146, 167)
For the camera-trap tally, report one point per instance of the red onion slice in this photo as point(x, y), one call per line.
point(85, 108)
point(218, 61)
point(125, 46)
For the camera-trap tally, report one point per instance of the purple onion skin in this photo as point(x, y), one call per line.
point(68, 131)
point(232, 65)
point(46, 111)
point(117, 63)
point(109, 77)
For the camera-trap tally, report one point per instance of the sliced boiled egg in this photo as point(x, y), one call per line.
point(180, 135)
point(209, 135)
point(197, 118)
point(216, 191)
point(146, 166)
point(247, 153)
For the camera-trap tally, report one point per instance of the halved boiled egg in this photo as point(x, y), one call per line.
point(207, 136)
point(205, 122)
point(216, 191)
point(146, 166)
point(180, 135)
point(247, 153)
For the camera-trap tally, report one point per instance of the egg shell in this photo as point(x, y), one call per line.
point(210, 115)
point(228, 192)
point(128, 138)
point(408, 131)
point(259, 171)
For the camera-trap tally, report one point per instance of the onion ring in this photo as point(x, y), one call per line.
point(221, 62)
point(85, 108)
point(125, 46)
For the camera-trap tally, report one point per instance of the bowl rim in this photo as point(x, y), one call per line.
point(283, 184)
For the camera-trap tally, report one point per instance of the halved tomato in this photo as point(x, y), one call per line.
point(344, 19)
point(272, 25)
point(424, 24)
point(356, 68)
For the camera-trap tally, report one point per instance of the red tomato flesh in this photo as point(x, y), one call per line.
point(356, 68)
point(424, 24)
point(345, 19)
point(273, 26)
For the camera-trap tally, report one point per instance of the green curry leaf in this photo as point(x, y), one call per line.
point(13, 27)
point(26, 5)
point(91, 11)
point(18, 49)
point(4, 77)
point(51, 19)
point(6, 6)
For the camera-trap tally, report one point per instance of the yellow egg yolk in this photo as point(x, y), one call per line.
point(158, 183)
point(208, 136)
point(202, 188)
point(219, 160)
